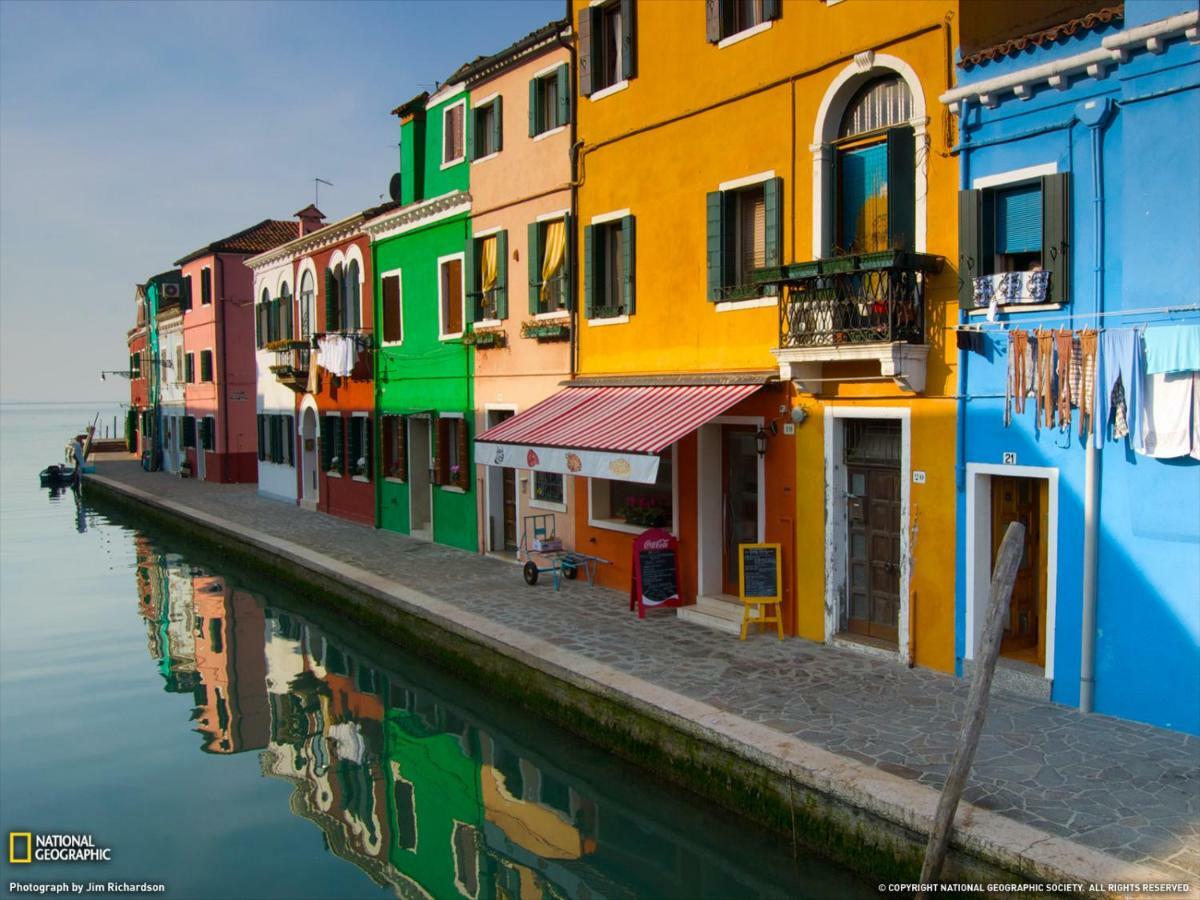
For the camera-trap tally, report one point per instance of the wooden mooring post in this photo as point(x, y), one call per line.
point(1003, 577)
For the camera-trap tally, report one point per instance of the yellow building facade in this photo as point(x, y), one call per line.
point(766, 195)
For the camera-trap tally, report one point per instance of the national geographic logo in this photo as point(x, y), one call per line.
point(27, 847)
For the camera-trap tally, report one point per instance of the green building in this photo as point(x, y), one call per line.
point(423, 367)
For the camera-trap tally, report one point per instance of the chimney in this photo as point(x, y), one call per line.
point(310, 219)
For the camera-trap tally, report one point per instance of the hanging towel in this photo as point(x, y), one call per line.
point(1120, 358)
point(1064, 342)
point(1088, 343)
point(337, 354)
point(1174, 348)
point(1045, 377)
point(1015, 385)
point(1166, 424)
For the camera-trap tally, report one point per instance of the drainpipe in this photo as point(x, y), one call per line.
point(219, 365)
point(964, 182)
point(1094, 114)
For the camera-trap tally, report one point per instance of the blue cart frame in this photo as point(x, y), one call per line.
point(564, 563)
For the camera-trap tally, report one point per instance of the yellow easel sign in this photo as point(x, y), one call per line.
point(760, 585)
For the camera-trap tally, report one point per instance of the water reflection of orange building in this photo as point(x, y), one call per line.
point(231, 703)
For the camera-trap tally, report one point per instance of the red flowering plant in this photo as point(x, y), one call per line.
point(650, 511)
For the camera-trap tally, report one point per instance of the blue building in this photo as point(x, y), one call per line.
point(1079, 153)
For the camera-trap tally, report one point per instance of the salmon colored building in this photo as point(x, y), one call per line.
point(518, 266)
point(219, 374)
point(315, 314)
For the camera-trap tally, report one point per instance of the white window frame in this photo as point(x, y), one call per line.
point(748, 32)
point(547, 504)
point(399, 275)
point(444, 335)
point(452, 488)
point(475, 108)
point(611, 524)
point(445, 113)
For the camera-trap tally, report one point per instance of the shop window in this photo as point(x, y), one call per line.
point(607, 46)
point(395, 447)
point(632, 506)
point(609, 268)
point(874, 207)
point(549, 266)
point(450, 297)
point(205, 286)
point(486, 261)
point(359, 447)
point(452, 133)
point(189, 368)
point(725, 18)
point(206, 365)
point(487, 135)
point(548, 488)
point(1013, 242)
point(393, 311)
point(333, 449)
point(549, 101)
point(451, 463)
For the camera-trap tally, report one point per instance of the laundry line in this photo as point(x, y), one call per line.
point(1073, 317)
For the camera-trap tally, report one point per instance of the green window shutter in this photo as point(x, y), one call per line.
point(563, 78)
point(471, 280)
point(286, 303)
point(435, 448)
point(773, 203)
point(716, 244)
point(369, 449)
point(327, 443)
point(629, 249)
point(569, 263)
point(628, 39)
point(970, 245)
point(468, 131)
point(189, 368)
point(589, 270)
point(259, 335)
point(1056, 234)
point(497, 124)
point(289, 423)
point(712, 23)
point(586, 51)
point(187, 293)
point(502, 275)
point(535, 99)
point(902, 188)
point(331, 317)
point(533, 256)
point(355, 449)
point(772, 9)
point(262, 446)
point(189, 431)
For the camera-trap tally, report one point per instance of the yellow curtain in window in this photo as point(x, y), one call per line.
point(556, 246)
point(487, 265)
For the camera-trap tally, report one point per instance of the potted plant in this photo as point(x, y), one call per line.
point(651, 512)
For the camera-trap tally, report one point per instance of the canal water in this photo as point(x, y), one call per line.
point(227, 738)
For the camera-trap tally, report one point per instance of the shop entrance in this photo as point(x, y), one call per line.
point(739, 498)
point(501, 497)
point(1021, 500)
point(310, 485)
point(872, 457)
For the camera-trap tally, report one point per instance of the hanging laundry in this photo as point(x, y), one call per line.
point(1005, 288)
point(1064, 345)
point(971, 341)
point(1015, 385)
point(1045, 377)
point(1120, 358)
point(1085, 387)
point(1120, 416)
point(1173, 348)
point(1166, 422)
point(337, 354)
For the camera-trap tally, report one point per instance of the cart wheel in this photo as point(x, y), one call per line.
point(570, 571)
point(531, 573)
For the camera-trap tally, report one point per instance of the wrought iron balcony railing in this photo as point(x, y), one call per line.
point(857, 299)
point(291, 366)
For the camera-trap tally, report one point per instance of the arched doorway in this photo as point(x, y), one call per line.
point(310, 485)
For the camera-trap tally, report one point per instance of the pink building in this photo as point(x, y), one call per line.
point(219, 372)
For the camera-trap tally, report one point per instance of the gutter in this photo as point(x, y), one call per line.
point(569, 46)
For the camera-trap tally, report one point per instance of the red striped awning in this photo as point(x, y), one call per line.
point(644, 419)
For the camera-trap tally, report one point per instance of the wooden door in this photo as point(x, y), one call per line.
point(1019, 500)
point(873, 517)
point(739, 498)
point(510, 508)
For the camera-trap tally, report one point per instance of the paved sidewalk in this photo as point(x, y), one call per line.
point(1128, 790)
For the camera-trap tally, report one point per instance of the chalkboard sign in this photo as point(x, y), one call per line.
point(655, 571)
point(758, 571)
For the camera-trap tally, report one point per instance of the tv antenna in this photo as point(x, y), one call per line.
point(317, 182)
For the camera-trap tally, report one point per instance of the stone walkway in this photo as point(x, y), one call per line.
point(1129, 790)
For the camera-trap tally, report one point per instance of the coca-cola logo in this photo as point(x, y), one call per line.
point(658, 544)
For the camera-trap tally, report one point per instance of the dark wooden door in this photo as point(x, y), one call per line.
point(873, 517)
point(1018, 500)
point(510, 508)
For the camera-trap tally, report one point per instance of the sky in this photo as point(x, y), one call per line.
point(133, 133)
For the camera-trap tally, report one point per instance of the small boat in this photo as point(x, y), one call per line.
point(57, 476)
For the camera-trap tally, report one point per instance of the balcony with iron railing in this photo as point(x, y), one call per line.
point(856, 307)
point(291, 362)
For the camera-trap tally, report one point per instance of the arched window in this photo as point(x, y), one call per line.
point(261, 312)
point(876, 170)
point(285, 312)
point(308, 304)
point(351, 293)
